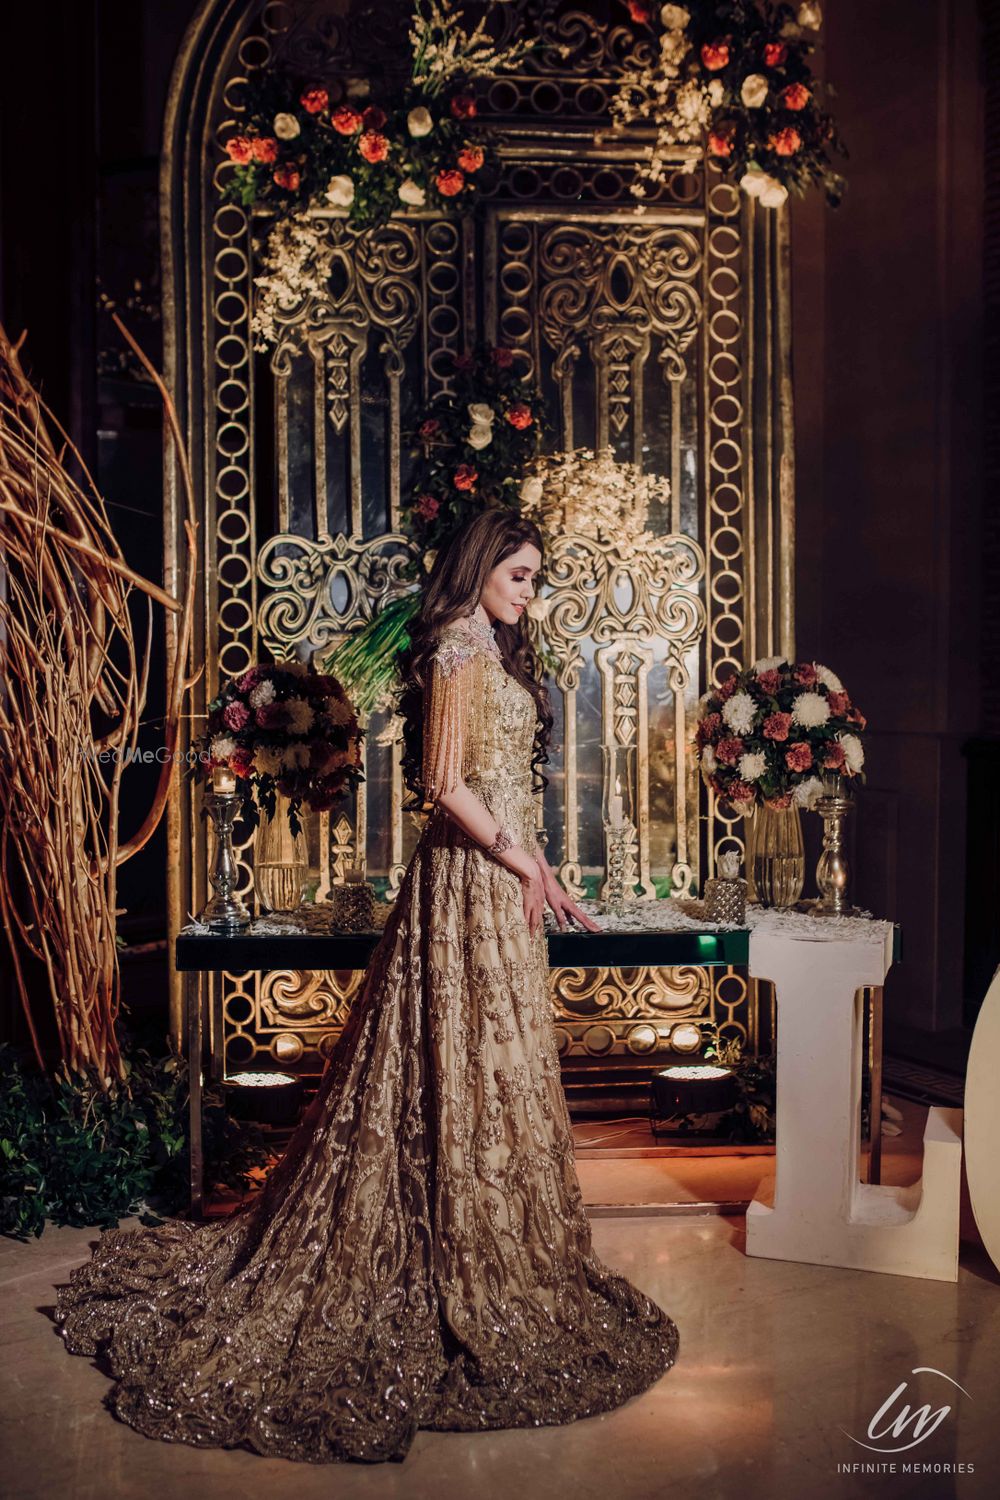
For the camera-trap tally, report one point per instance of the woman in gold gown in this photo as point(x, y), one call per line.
point(420, 1257)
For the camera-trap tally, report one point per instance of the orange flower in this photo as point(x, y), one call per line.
point(638, 11)
point(265, 148)
point(471, 158)
point(239, 149)
point(786, 142)
point(466, 477)
point(720, 144)
point(373, 146)
point(775, 54)
point(519, 416)
point(796, 96)
point(715, 55)
point(287, 177)
point(345, 120)
point(450, 183)
point(313, 100)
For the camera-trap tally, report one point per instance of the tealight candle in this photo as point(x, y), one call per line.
point(223, 781)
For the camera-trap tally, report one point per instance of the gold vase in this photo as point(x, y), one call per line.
point(776, 860)
point(280, 861)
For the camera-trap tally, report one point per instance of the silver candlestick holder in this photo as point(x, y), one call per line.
point(618, 842)
point(225, 912)
point(832, 872)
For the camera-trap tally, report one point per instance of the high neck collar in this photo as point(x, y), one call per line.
point(476, 625)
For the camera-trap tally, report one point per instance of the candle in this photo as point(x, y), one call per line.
point(615, 805)
point(353, 874)
point(223, 781)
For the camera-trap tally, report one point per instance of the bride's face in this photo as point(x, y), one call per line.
point(511, 585)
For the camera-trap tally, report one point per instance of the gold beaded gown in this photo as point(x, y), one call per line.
point(420, 1257)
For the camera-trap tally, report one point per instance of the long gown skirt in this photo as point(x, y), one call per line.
point(421, 1256)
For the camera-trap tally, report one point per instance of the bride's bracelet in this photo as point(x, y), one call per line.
point(504, 840)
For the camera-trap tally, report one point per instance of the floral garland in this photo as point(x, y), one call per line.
point(737, 71)
point(282, 729)
point(472, 449)
point(770, 733)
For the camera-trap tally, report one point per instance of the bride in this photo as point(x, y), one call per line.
point(420, 1257)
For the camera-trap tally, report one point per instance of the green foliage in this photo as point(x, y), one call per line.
point(71, 1154)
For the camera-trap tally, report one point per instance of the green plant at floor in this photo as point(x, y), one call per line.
point(73, 1155)
point(751, 1121)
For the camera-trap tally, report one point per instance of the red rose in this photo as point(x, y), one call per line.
point(373, 117)
point(715, 55)
point(241, 761)
point(786, 142)
point(313, 100)
point(373, 146)
point(775, 54)
point(502, 357)
point(428, 507)
point(833, 756)
point(796, 96)
point(465, 477)
point(728, 751)
point(779, 803)
point(249, 679)
point(777, 726)
point(719, 144)
point(429, 429)
point(707, 727)
point(639, 12)
point(519, 416)
point(740, 791)
point(839, 704)
point(463, 107)
point(239, 149)
point(264, 148)
point(799, 757)
point(805, 673)
point(728, 688)
point(287, 177)
point(769, 682)
point(345, 120)
point(449, 183)
point(471, 158)
point(235, 716)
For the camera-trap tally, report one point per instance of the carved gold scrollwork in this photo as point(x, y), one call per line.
point(302, 578)
point(307, 999)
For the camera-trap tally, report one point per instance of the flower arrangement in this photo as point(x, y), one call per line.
point(594, 494)
point(738, 73)
point(286, 729)
point(472, 449)
point(770, 734)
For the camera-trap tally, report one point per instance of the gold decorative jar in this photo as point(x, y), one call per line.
point(775, 860)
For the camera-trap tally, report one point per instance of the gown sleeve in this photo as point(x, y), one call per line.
point(451, 713)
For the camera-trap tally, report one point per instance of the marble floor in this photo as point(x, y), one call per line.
point(779, 1365)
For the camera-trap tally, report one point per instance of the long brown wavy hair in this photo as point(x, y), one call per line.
point(452, 590)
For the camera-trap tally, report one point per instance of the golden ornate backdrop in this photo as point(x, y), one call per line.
point(663, 336)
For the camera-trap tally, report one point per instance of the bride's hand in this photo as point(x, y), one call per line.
point(534, 901)
point(564, 907)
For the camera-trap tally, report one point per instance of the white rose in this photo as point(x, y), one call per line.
point(810, 710)
point(806, 792)
point(829, 679)
point(774, 194)
point(429, 559)
point(480, 436)
point(262, 693)
point(222, 747)
point(340, 191)
point(790, 32)
point(286, 127)
point(532, 490)
point(810, 14)
point(675, 17)
point(754, 182)
point(708, 760)
point(754, 90)
point(853, 752)
point(419, 122)
point(481, 414)
point(753, 766)
point(358, 88)
point(767, 664)
point(739, 712)
point(538, 607)
point(412, 193)
point(716, 93)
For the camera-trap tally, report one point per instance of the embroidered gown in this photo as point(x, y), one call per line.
point(421, 1256)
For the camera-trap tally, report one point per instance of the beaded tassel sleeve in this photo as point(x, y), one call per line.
point(452, 713)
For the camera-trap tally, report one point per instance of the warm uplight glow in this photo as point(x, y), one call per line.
point(704, 1070)
point(260, 1080)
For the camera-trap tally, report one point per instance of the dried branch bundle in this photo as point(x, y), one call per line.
point(73, 686)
